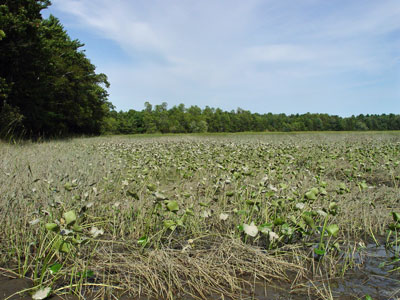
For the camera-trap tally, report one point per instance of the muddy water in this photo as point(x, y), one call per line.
point(375, 275)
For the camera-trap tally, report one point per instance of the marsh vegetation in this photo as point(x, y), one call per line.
point(264, 216)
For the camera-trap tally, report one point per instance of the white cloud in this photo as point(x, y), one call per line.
point(113, 20)
point(228, 49)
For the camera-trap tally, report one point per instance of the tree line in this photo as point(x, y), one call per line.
point(179, 119)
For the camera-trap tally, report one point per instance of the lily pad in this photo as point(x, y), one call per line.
point(52, 227)
point(172, 206)
point(169, 224)
point(310, 195)
point(70, 217)
point(309, 221)
point(332, 229)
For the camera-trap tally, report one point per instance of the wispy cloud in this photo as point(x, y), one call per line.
point(279, 53)
point(200, 51)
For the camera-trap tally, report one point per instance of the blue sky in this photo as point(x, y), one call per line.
point(329, 56)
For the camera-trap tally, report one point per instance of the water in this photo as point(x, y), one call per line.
point(375, 276)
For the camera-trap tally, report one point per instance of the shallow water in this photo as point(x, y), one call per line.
point(369, 277)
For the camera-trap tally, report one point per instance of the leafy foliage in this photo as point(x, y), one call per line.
point(197, 120)
point(47, 85)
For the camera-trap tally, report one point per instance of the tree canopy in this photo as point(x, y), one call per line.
point(180, 119)
point(48, 87)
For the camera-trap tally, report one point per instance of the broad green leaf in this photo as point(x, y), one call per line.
point(151, 187)
point(323, 192)
point(70, 217)
point(310, 195)
point(230, 193)
point(172, 206)
point(333, 205)
point(332, 229)
point(309, 221)
point(77, 228)
point(363, 185)
point(169, 224)
point(52, 227)
point(320, 252)
point(396, 216)
point(68, 186)
point(65, 247)
point(189, 212)
point(54, 268)
point(333, 208)
point(283, 186)
point(76, 241)
point(57, 244)
point(278, 221)
point(394, 226)
point(336, 246)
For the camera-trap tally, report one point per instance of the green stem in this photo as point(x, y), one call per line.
point(321, 242)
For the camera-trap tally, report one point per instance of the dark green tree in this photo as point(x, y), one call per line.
point(45, 79)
